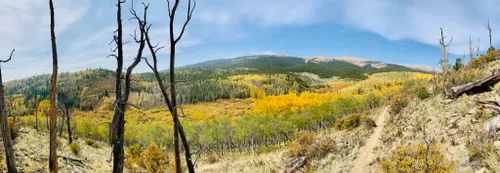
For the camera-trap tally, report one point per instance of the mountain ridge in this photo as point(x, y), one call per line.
point(361, 62)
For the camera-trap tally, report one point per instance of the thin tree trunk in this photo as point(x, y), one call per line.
point(117, 127)
point(53, 90)
point(4, 122)
point(61, 126)
point(36, 112)
point(172, 100)
point(68, 123)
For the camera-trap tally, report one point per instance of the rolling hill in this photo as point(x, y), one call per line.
point(325, 67)
point(210, 80)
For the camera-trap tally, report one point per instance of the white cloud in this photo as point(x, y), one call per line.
point(26, 28)
point(420, 20)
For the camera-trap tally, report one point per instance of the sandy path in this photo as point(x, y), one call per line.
point(365, 155)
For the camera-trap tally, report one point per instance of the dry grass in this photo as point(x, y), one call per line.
point(32, 150)
point(454, 123)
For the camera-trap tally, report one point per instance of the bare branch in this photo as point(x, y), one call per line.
point(188, 18)
point(112, 55)
point(451, 39)
point(169, 11)
point(147, 62)
point(10, 57)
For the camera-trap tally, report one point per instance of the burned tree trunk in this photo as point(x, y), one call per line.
point(172, 100)
point(4, 122)
point(68, 122)
point(117, 127)
point(53, 90)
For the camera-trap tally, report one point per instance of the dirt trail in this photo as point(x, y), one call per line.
point(366, 152)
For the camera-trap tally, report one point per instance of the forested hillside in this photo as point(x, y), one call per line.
point(206, 81)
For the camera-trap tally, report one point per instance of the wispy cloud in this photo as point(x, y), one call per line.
point(420, 20)
point(26, 28)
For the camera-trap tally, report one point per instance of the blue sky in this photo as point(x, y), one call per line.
point(403, 32)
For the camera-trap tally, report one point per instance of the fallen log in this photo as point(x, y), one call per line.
point(297, 164)
point(72, 159)
point(478, 86)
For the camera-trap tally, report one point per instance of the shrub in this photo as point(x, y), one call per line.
point(349, 122)
point(91, 143)
point(14, 129)
point(300, 146)
point(212, 159)
point(134, 157)
point(422, 92)
point(412, 158)
point(397, 104)
point(369, 123)
point(155, 158)
point(59, 143)
point(321, 148)
point(75, 148)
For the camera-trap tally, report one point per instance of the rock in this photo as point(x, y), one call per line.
point(453, 124)
point(496, 144)
point(448, 101)
point(481, 170)
point(472, 112)
point(492, 125)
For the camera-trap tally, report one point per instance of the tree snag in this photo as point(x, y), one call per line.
point(173, 94)
point(116, 129)
point(445, 53)
point(171, 100)
point(471, 52)
point(53, 91)
point(487, 25)
point(478, 47)
point(4, 122)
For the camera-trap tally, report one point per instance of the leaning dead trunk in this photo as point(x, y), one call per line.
point(4, 122)
point(53, 90)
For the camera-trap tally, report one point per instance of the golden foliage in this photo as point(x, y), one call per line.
point(414, 158)
point(75, 148)
point(384, 86)
point(155, 158)
point(14, 128)
point(482, 60)
point(134, 160)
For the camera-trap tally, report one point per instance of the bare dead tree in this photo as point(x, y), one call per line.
point(488, 26)
point(53, 92)
point(66, 100)
point(471, 52)
point(445, 53)
point(478, 47)
point(4, 122)
point(170, 101)
point(116, 130)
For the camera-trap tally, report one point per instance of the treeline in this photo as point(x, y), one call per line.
point(88, 87)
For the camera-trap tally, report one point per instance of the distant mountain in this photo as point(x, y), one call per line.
point(325, 67)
